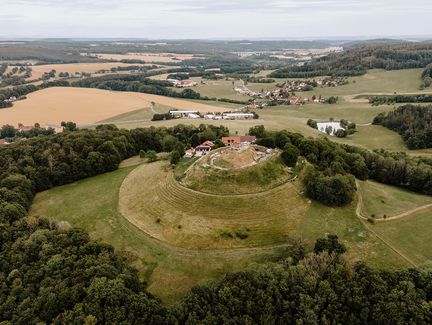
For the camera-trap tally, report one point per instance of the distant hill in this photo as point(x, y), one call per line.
point(357, 60)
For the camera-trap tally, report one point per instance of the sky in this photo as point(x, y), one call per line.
point(215, 19)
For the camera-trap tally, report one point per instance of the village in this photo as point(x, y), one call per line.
point(284, 94)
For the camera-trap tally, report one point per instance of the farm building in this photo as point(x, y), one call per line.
point(187, 114)
point(182, 83)
point(56, 128)
point(329, 127)
point(246, 139)
point(238, 116)
point(200, 150)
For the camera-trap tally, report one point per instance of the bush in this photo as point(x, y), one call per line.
point(337, 190)
point(290, 155)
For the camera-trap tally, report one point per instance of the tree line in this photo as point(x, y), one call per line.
point(393, 99)
point(412, 122)
point(427, 77)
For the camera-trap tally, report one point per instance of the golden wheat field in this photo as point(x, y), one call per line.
point(86, 106)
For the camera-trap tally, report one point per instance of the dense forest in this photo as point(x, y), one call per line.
point(356, 61)
point(50, 273)
point(413, 123)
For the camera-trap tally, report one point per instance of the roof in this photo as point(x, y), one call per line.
point(240, 139)
point(208, 143)
point(25, 128)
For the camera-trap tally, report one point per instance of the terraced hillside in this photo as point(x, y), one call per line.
point(186, 218)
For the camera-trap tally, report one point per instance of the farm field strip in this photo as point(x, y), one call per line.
point(86, 106)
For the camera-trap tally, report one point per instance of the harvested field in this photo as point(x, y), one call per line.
point(39, 70)
point(147, 57)
point(86, 106)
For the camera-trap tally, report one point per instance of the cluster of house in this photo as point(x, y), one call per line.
point(182, 83)
point(212, 116)
point(207, 146)
point(284, 94)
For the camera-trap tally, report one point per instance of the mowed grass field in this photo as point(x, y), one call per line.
point(172, 265)
point(380, 199)
point(87, 106)
point(411, 234)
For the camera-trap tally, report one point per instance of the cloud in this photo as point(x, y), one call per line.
point(214, 18)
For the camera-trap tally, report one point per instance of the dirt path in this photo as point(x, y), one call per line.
point(360, 214)
point(364, 221)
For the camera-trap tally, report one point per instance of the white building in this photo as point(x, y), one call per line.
point(187, 114)
point(238, 116)
point(322, 126)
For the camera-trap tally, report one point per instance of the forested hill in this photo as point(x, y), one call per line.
point(356, 61)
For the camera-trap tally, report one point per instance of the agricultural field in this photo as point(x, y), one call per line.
point(177, 237)
point(73, 68)
point(87, 106)
point(147, 57)
point(219, 88)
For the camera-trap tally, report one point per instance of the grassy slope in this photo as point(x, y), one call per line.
point(411, 235)
point(253, 179)
point(91, 204)
point(380, 199)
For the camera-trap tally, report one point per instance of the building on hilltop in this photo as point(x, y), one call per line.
point(246, 139)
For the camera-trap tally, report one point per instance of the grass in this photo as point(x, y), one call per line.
point(92, 204)
point(411, 235)
point(380, 199)
point(254, 179)
point(219, 88)
point(190, 220)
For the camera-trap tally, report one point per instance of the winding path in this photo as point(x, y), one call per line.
point(364, 221)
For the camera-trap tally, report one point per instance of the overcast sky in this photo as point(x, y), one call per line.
point(214, 18)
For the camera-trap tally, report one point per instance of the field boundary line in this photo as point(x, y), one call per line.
point(364, 221)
